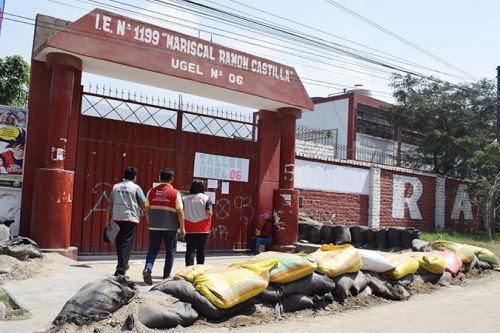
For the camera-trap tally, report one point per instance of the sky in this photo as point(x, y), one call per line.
point(459, 31)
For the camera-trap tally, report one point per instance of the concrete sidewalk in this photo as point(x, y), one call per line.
point(60, 278)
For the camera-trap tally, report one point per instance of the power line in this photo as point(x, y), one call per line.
point(387, 56)
point(394, 35)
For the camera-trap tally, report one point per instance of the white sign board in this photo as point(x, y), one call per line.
point(221, 167)
point(331, 178)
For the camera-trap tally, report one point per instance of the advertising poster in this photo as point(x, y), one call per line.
point(13, 123)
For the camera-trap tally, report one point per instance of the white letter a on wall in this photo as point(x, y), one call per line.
point(462, 204)
point(399, 199)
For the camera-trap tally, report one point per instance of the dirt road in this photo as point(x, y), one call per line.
point(471, 308)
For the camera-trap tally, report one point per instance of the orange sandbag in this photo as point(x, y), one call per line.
point(337, 260)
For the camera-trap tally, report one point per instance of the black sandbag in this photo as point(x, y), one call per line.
point(381, 237)
point(358, 235)
point(384, 289)
point(315, 233)
point(22, 248)
point(341, 235)
point(394, 238)
point(313, 284)
point(483, 265)
point(96, 300)
point(343, 286)
point(360, 283)
point(326, 234)
point(295, 303)
point(157, 317)
point(186, 292)
point(304, 231)
point(407, 237)
point(370, 239)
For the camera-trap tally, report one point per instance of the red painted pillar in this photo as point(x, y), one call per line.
point(286, 199)
point(53, 187)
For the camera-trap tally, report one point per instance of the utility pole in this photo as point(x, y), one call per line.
point(498, 104)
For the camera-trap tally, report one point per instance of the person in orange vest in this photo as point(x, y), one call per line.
point(198, 210)
point(165, 213)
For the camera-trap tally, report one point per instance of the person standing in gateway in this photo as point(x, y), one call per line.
point(166, 216)
point(125, 202)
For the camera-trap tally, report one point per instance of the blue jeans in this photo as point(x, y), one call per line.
point(258, 241)
point(155, 238)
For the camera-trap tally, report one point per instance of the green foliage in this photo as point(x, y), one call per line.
point(476, 239)
point(454, 121)
point(14, 81)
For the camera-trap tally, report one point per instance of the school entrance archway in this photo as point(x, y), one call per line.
point(72, 157)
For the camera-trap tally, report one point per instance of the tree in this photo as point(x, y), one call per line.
point(14, 81)
point(453, 121)
point(456, 124)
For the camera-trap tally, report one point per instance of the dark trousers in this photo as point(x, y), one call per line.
point(170, 239)
point(124, 242)
point(195, 243)
point(257, 241)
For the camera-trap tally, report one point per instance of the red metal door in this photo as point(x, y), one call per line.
point(107, 146)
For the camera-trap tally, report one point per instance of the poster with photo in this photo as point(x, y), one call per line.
point(12, 146)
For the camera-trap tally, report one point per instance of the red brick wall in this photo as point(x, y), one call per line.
point(426, 203)
point(460, 224)
point(335, 208)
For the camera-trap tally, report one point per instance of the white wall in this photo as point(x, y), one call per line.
point(329, 115)
point(373, 149)
point(331, 178)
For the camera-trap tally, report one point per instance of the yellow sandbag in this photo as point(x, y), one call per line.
point(337, 260)
point(484, 254)
point(404, 265)
point(191, 272)
point(226, 287)
point(290, 267)
point(466, 254)
point(431, 262)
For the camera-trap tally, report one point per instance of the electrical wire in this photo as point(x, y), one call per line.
point(394, 35)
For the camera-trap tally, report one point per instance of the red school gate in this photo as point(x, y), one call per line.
point(72, 159)
point(115, 133)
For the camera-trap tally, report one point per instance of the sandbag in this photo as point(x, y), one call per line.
point(165, 312)
point(313, 284)
point(343, 285)
point(421, 245)
point(341, 235)
point(186, 292)
point(371, 239)
point(453, 261)
point(336, 260)
point(381, 238)
point(96, 300)
point(483, 265)
point(361, 282)
point(404, 265)
point(407, 237)
point(358, 238)
point(295, 303)
point(464, 252)
point(432, 262)
point(394, 238)
point(190, 273)
point(22, 248)
point(484, 254)
point(227, 287)
point(315, 233)
point(374, 261)
point(289, 267)
point(326, 234)
point(303, 231)
point(383, 289)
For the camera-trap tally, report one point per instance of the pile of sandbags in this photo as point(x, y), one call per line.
point(364, 237)
point(22, 248)
point(285, 282)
